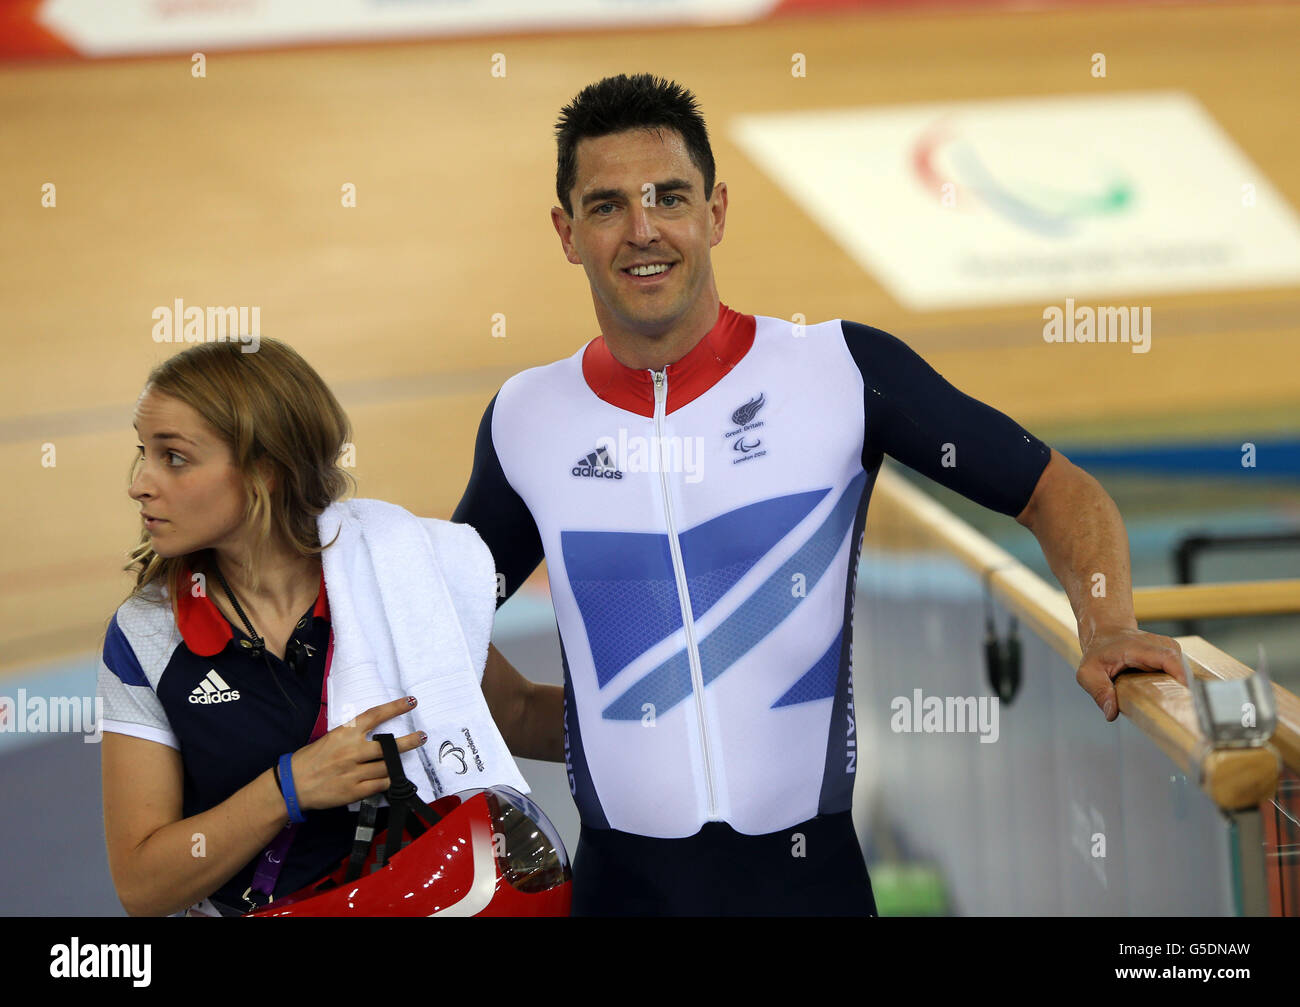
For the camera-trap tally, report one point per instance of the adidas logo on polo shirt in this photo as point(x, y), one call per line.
point(212, 688)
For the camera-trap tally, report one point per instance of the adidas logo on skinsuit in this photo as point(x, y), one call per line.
point(597, 465)
point(212, 688)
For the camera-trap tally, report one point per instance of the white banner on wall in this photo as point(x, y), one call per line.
point(1031, 200)
point(100, 28)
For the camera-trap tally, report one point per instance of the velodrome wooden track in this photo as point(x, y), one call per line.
point(226, 191)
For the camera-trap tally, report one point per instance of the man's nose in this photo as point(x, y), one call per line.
point(644, 229)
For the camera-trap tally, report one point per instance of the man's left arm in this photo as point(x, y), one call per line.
point(1084, 541)
point(914, 415)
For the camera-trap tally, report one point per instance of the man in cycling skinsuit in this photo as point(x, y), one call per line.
point(698, 487)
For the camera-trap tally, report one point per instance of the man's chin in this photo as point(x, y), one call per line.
point(650, 316)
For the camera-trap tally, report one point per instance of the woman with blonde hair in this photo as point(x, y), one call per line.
point(216, 757)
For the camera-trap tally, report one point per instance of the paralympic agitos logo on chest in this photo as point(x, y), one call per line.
point(744, 419)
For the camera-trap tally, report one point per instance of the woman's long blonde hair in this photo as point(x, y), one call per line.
point(272, 410)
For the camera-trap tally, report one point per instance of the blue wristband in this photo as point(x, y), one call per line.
point(290, 792)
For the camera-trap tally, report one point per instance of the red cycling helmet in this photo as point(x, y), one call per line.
point(489, 852)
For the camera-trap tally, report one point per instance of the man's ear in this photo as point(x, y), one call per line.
point(563, 225)
point(718, 211)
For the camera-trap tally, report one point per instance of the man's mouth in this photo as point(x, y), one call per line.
point(649, 273)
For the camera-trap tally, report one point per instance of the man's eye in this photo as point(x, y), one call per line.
point(677, 199)
point(601, 207)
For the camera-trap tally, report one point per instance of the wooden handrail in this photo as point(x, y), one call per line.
point(1216, 664)
point(1155, 702)
point(1161, 706)
point(1211, 601)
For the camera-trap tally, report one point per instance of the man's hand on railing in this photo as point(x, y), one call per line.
point(1112, 650)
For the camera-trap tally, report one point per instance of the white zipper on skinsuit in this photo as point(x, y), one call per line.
point(683, 597)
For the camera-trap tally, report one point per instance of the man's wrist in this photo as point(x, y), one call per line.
point(1093, 625)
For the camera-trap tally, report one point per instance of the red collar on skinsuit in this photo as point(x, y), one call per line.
point(630, 388)
point(206, 631)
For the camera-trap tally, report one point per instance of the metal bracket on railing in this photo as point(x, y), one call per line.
point(1001, 657)
point(1236, 713)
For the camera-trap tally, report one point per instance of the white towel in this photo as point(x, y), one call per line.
point(411, 604)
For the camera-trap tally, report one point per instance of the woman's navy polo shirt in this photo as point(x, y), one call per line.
point(190, 684)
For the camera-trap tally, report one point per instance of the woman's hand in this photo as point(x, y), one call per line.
point(343, 766)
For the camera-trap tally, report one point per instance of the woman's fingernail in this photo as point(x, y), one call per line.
point(410, 700)
point(423, 737)
point(1110, 708)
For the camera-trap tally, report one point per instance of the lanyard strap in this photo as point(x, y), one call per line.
point(270, 863)
point(403, 800)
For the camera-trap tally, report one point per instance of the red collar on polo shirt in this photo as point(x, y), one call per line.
point(206, 631)
point(633, 389)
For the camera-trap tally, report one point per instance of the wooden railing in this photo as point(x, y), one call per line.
point(1213, 601)
point(1155, 702)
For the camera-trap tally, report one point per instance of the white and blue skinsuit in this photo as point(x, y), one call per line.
point(701, 527)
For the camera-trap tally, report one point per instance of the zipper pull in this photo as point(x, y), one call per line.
point(660, 380)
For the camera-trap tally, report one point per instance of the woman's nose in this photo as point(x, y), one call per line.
point(140, 487)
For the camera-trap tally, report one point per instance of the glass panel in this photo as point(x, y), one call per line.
point(1281, 818)
point(1034, 807)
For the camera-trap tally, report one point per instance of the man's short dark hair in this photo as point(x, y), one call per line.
point(615, 104)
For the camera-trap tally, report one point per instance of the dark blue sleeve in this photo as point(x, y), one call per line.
point(913, 415)
point(492, 508)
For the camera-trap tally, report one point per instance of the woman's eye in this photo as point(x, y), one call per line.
point(170, 455)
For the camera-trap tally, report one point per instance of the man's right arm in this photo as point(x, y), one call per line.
point(492, 508)
point(530, 715)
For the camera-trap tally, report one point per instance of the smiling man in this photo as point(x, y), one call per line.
point(697, 480)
